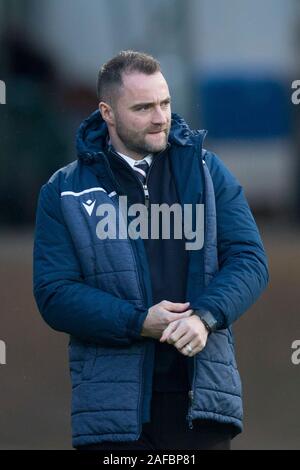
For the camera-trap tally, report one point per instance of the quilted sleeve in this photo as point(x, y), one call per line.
point(64, 300)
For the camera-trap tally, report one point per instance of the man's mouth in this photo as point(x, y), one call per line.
point(157, 132)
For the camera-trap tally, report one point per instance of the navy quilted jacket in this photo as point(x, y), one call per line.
point(99, 291)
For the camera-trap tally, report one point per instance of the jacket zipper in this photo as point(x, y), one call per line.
point(140, 396)
point(144, 186)
point(191, 395)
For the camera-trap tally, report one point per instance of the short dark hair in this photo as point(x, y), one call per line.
point(110, 74)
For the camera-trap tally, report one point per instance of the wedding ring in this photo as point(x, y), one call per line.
point(189, 348)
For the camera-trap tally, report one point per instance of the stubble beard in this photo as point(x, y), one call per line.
point(136, 142)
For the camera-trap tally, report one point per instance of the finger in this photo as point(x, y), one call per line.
point(187, 313)
point(181, 330)
point(188, 353)
point(196, 348)
point(168, 331)
point(176, 335)
point(177, 316)
point(186, 339)
point(176, 307)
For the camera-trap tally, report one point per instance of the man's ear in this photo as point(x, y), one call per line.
point(107, 113)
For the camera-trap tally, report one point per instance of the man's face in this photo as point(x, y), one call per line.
point(142, 113)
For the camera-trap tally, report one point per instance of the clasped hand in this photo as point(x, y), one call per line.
point(187, 331)
point(176, 324)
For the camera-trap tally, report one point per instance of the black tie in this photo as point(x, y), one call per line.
point(141, 170)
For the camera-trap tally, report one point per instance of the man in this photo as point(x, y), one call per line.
point(149, 318)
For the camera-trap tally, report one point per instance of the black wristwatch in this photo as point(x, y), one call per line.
point(208, 319)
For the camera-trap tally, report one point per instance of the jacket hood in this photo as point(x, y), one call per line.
point(92, 135)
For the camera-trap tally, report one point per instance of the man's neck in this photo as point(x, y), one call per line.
point(121, 149)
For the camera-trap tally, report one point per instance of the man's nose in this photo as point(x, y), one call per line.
point(159, 116)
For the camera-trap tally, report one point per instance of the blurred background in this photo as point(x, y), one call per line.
point(230, 65)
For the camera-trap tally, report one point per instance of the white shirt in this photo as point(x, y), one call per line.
point(132, 161)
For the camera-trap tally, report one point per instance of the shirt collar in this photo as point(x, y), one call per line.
point(131, 161)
